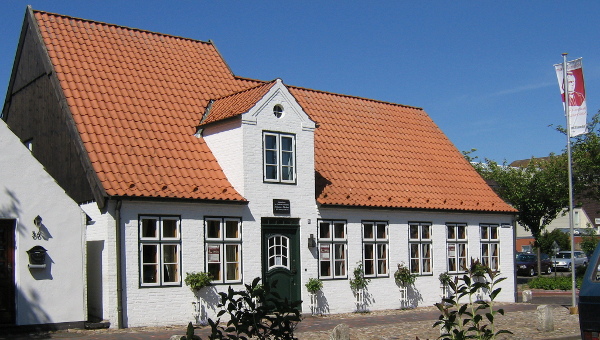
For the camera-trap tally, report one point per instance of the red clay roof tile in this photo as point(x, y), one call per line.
point(137, 96)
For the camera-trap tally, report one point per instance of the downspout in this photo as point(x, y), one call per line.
point(119, 276)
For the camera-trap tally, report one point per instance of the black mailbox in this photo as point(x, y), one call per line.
point(37, 257)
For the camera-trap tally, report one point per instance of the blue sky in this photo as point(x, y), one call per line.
point(483, 70)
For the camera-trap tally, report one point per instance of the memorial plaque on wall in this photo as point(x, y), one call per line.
point(281, 206)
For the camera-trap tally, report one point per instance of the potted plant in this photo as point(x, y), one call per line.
point(358, 284)
point(197, 280)
point(403, 276)
point(314, 285)
point(445, 280)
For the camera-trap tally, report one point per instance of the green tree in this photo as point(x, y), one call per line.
point(538, 190)
point(585, 154)
point(548, 238)
point(589, 241)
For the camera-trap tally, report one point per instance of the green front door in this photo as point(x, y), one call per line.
point(281, 256)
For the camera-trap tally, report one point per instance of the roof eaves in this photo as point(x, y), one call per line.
point(360, 206)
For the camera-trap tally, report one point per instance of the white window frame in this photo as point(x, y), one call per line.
point(490, 240)
point(216, 250)
point(423, 244)
point(160, 241)
point(278, 150)
point(333, 250)
point(454, 243)
point(281, 252)
point(380, 249)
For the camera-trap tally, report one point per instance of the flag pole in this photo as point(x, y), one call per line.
point(570, 174)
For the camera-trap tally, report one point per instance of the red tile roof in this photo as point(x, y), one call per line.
point(378, 154)
point(137, 97)
point(235, 104)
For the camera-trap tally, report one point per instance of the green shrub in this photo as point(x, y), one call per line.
point(403, 276)
point(553, 283)
point(313, 285)
point(256, 312)
point(445, 278)
point(189, 334)
point(359, 281)
point(474, 319)
point(580, 271)
point(198, 280)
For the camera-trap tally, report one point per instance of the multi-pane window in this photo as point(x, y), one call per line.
point(223, 241)
point(375, 248)
point(160, 251)
point(278, 251)
point(490, 246)
point(332, 249)
point(456, 243)
point(279, 157)
point(419, 241)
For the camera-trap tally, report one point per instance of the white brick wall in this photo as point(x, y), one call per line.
point(383, 291)
point(238, 147)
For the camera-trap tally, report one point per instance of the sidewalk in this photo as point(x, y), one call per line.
point(520, 318)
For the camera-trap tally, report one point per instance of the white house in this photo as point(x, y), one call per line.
point(183, 166)
point(37, 214)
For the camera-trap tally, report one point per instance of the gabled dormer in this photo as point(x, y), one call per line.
point(262, 138)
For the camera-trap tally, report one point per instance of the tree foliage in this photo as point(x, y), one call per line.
point(538, 190)
point(585, 152)
point(589, 241)
point(547, 239)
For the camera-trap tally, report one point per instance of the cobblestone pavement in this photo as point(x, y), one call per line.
point(520, 318)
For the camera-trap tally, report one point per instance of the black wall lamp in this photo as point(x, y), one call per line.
point(37, 221)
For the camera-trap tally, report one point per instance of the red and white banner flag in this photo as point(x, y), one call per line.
point(576, 91)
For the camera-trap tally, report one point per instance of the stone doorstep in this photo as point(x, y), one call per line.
point(97, 325)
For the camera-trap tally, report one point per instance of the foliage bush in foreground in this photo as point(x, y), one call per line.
point(256, 312)
point(466, 320)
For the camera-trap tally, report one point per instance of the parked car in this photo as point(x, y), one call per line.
point(526, 264)
point(563, 260)
point(589, 299)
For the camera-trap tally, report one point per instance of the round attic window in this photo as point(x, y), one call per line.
point(278, 111)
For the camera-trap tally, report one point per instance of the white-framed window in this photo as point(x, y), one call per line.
point(375, 248)
point(490, 246)
point(456, 245)
point(279, 157)
point(278, 251)
point(333, 241)
point(223, 242)
point(160, 251)
point(419, 242)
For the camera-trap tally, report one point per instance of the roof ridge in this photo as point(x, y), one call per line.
point(246, 90)
point(356, 97)
point(332, 93)
point(209, 42)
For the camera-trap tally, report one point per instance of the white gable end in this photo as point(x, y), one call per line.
point(278, 95)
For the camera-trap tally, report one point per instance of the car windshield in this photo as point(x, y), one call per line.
point(563, 255)
point(525, 257)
